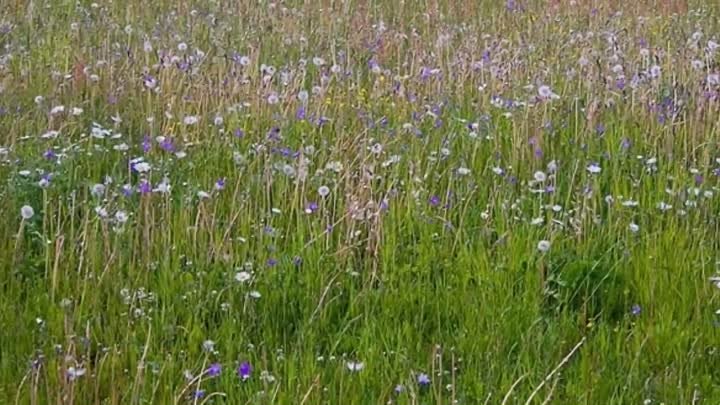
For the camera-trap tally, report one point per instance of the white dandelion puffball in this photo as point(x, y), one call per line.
point(190, 120)
point(243, 276)
point(27, 212)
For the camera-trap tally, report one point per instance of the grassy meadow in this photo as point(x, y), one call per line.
point(359, 202)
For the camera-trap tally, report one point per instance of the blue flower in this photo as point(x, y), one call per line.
point(423, 380)
point(214, 370)
point(244, 370)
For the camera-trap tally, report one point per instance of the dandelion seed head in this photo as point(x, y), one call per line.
point(27, 212)
point(543, 246)
point(243, 276)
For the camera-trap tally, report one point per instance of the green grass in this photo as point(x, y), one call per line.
point(423, 258)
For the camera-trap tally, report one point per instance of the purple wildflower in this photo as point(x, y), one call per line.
point(274, 134)
point(423, 380)
point(244, 370)
point(167, 145)
point(600, 129)
point(286, 152)
point(220, 184)
point(49, 154)
point(434, 201)
point(150, 82)
point(620, 83)
point(322, 120)
point(384, 204)
point(45, 179)
point(486, 56)
point(300, 114)
point(144, 187)
point(271, 262)
point(625, 144)
point(635, 310)
point(127, 190)
point(239, 133)
point(146, 144)
point(311, 207)
point(214, 370)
